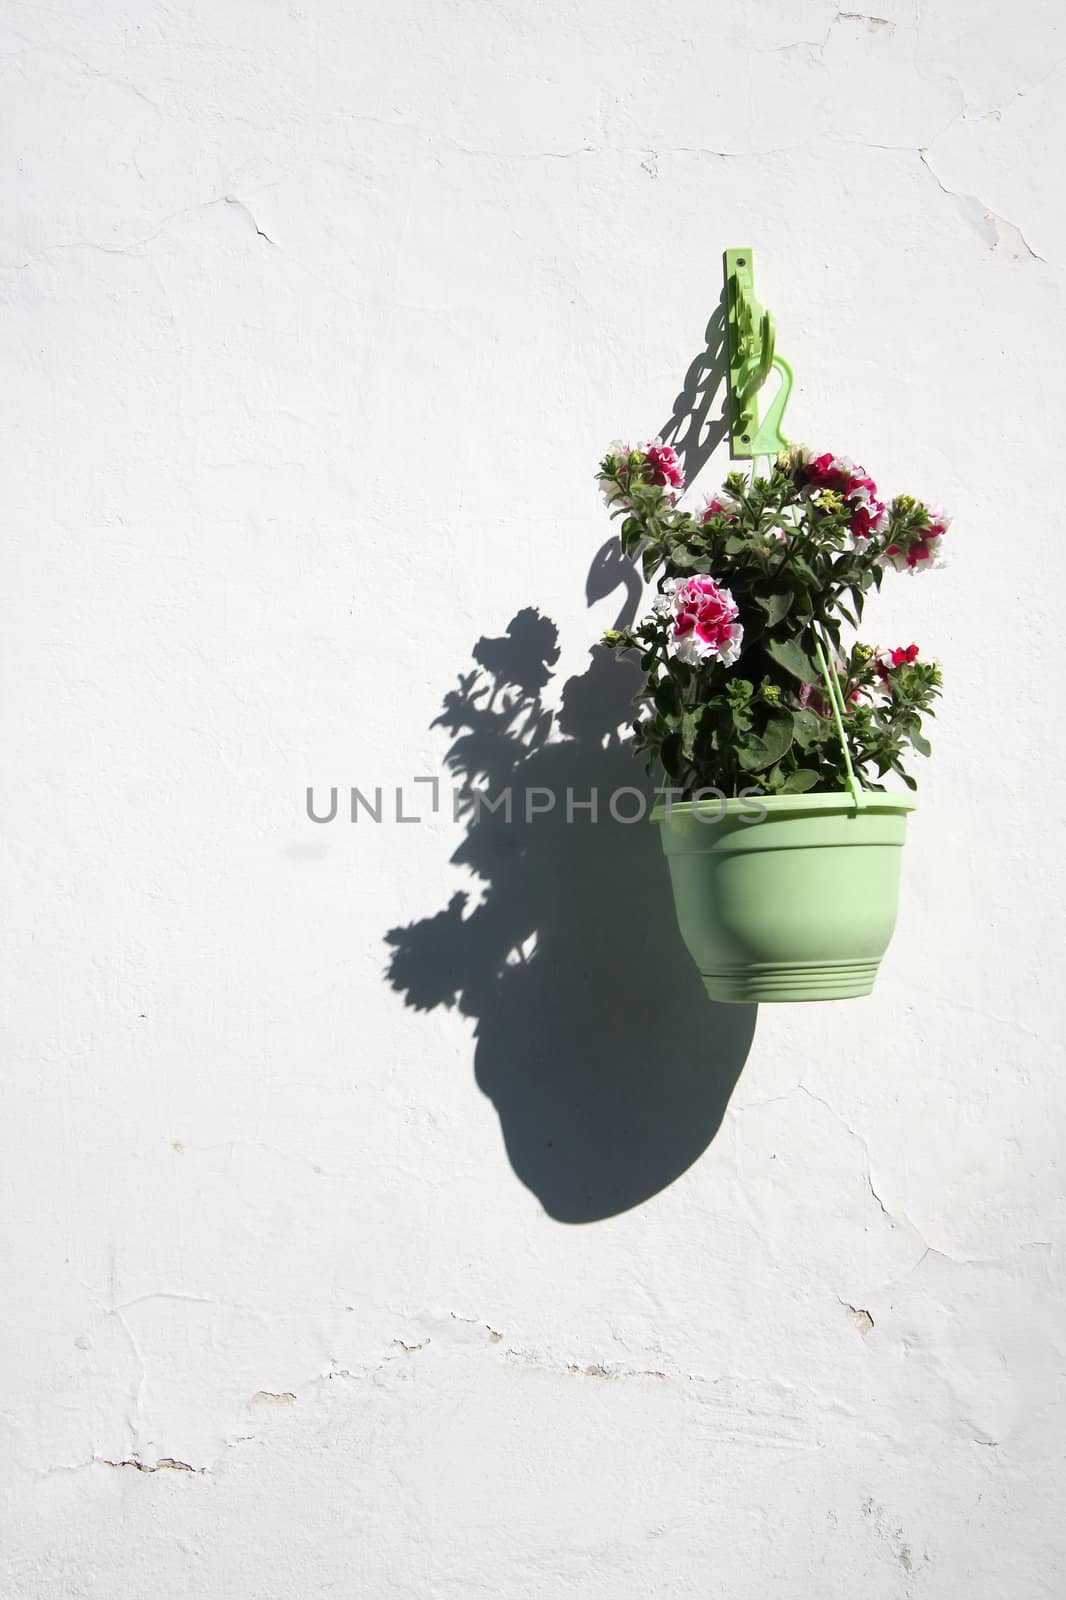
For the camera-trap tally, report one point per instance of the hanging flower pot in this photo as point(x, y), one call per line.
point(795, 900)
point(772, 726)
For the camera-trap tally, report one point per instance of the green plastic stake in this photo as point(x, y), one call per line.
point(836, 700)
point(751, 336)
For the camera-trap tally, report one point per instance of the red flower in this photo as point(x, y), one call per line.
point(886, 661)
point(862, 519)
point(825, 472)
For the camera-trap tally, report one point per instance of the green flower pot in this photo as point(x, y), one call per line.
point(798, 906)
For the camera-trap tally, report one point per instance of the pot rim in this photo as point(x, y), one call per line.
point(839, 803)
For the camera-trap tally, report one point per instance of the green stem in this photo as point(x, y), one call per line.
point(836, 700)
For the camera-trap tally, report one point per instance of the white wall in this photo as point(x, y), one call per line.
point(315, 319)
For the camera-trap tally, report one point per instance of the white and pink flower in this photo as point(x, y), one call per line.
point(704, 620)
point(659, 462)
point(612, 492)
point(868, 513)
point(665, 466)
point(716, 506)
point(923, 553)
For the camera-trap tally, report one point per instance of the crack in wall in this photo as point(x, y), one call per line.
point(801, 1088)
point(748, 1414)
point(231, 200)
point(164, 1464)
point(133, 1421)
point(493, 1334)
point(136, 246)
point(1004, 236)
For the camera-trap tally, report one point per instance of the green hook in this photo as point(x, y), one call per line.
point(769, 440)
point(751, 336)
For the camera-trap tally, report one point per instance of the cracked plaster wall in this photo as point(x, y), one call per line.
point(297, 299)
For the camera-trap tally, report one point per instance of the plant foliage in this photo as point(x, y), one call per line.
point(776, 566)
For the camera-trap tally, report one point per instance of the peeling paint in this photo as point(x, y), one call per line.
point(873, 24)
point(892, 1536)
point(1003, 238)
point(860, 1318)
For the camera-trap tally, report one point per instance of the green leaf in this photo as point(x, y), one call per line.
point(775, 605)
point(800, 781)
point(790, 654)
point(810, 729)
point(670, 755)
point(921, 744)
point(802, 608)
point(680, 672)
point(908, 780)
point(690, 729)
point(667, 699)
point(766, 749)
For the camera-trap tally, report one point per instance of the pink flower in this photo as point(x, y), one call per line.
point(813, 696)
point(705, 626)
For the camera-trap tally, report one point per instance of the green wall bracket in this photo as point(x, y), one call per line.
point(750, 334)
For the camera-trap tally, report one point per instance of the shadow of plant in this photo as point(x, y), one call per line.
point(609, 1068)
